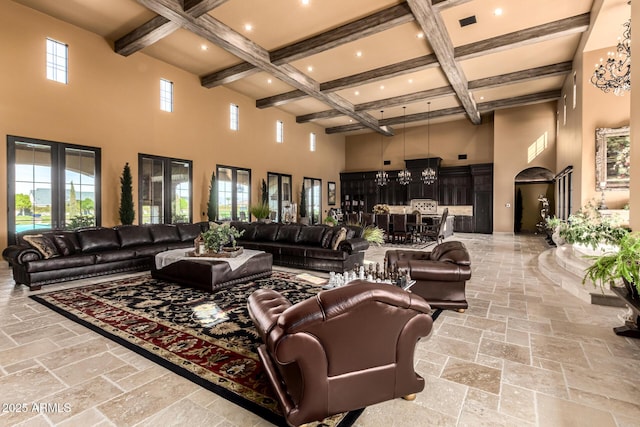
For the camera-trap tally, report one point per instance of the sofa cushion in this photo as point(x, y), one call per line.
point(72, 261)
point(163, 233)
point(288, 233)
point(188, 232)
point(115, 255)
point(42, 244)
point(311, 235)
point(133, 235)
point(64, 244)
point(266, 232)
point(98, 239)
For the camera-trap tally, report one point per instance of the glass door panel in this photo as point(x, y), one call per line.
point(152, 191)
point(33, 203)
point(225, 194)
point(274, 194)
point(243, 195)
point(180, 191)
point(80, 188)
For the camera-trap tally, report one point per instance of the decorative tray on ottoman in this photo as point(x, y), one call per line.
point(226, 253)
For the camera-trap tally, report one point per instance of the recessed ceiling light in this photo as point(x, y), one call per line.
point(269, 81)
point(410, 80)
point(309, 68)
point(420, 35)
point(381, 87)
point(357, 93)
point(248, 27)
point(481, 98)
point(359, 53)
point(204, 47)
point(305, 2)
point(498, 11)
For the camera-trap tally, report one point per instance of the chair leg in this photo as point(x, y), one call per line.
point(409, 397)
point(460, 310)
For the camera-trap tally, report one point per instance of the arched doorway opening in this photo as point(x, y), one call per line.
point(532, 185)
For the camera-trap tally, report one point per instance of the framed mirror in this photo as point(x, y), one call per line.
point(613, 163)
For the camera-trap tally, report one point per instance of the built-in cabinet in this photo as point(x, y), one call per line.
point(470, 185)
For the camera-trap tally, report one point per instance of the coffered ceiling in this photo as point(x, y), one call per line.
point(339, 63)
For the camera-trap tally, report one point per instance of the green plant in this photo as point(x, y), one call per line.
point(303, 203)
point(330, 220)
point(623, 264)
point(373, 235)
point(588, 227)
point(212, 204)
point(264, 193)
point(260, 211)
point(217, 237)
point(126, 212)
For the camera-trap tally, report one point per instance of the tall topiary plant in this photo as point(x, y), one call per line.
point(212, 204)
point(265, 193)
point(303, 203)
point(127, 213)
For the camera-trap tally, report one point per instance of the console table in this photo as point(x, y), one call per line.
point(629, 329)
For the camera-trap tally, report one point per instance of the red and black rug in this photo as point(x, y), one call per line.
point(207, 338)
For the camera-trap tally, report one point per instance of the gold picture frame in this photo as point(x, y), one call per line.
point(612, 158)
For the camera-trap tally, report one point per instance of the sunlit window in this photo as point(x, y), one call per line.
point(234, 117)
point(166, 95)
point(57, 61)
point(312, 141)
point(279, 131)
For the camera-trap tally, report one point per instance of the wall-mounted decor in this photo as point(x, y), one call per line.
point(613, 163)
point(331, 192)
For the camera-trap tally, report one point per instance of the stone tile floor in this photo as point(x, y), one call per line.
point(526, 353)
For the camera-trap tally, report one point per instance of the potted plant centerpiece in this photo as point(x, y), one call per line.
point(618, 266)
point(221, 239)
point(261, 211)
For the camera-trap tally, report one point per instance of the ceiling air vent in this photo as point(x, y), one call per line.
point(468, 20)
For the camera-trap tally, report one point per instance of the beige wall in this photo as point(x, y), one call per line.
point(515, 131)
point(447, 140)
point(112, 102)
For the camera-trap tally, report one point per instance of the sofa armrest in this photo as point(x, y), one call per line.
point(438, 271)
point(19, 254)
point(357, 244)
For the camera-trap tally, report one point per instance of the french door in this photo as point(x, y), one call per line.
point(313, 189)
point(165, 190)
point(51, 185)
point(279, 188)
point(234, 193)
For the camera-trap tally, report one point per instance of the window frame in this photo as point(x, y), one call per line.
point(58, 151)
point(234, 117)
point(235, 214)
point(279, 131)
point(167, 194)
point(166, 95)
point(55, 67)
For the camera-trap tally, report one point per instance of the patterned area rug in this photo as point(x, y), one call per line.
point(204, 337)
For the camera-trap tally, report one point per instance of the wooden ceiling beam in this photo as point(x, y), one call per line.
point(364, 27)
point(159, 27)
point(485, 83)
point(518, 101)
point(436, 33)
point(235, 43)
point(575, 24)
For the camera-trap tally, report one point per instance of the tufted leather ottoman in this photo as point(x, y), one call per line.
point(211, 275)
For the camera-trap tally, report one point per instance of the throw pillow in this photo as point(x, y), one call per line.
point(42, 244)
point(64, 245)
point(338, 237)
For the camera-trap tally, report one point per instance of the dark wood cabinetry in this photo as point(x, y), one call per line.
point(455, 186)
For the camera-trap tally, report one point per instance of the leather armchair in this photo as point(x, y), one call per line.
point(440, 275)
point(342, 350)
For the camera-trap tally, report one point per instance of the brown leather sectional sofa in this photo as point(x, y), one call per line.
point(305, 246)
point(77, 254)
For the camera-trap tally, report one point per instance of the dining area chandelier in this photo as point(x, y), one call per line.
point(429, 174)
point(382, 177)
point(614, 74)
point(404, 176)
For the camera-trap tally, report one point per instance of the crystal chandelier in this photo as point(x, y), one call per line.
point(381, 176)
point(404, 176)
point(614, 74)
point(429, 175)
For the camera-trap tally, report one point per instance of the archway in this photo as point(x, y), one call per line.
point(530, 184)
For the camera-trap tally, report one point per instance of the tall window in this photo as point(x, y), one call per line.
point(234, 117)
point(51, 185)
point(279, 187)
point(234, 193)
point(313, 188)
point(279, 131)
point(166, 95)
point(165, 194)
point(57, 61)
point(312, 141)
point(575, 90)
